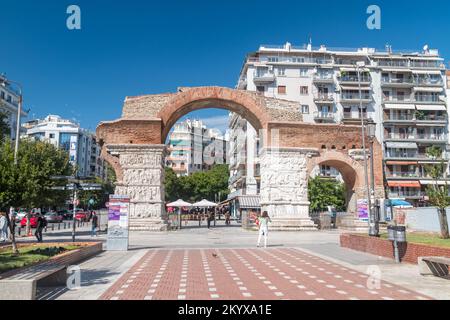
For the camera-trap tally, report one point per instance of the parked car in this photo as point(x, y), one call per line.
point(53, 217)
point(81, 216)
point(66, 214)
point(33, 221)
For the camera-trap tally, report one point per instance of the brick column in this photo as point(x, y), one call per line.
point(284, 187)
point(143, 176)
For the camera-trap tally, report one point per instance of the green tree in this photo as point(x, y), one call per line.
point(326, 192)
point(100, 197)
point(438, 195)
point(197, 186)
point(28, 184)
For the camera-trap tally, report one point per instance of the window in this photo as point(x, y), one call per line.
point(281, 72)
point(303, 90)
point(305, 109)
point(272, 59)
point(260, 89)
point(303, 72)
point(52, 136)
point(281, 89)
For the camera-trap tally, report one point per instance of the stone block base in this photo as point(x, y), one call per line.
point(299, 224)
point(351, 223)
point(148, 225)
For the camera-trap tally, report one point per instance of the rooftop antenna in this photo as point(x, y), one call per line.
point(310, 43)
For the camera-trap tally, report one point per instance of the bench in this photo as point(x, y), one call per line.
point(23, 285)
point(436, 266)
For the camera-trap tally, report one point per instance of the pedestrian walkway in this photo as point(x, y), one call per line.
point(230, 274)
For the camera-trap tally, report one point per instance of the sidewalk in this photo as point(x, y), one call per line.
point(102, 271)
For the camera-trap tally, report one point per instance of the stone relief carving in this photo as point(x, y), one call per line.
point(152, 160)
point(143, 176)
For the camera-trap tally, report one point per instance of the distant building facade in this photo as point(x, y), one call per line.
point(80, 144)
point(404, 93)
point(193, 147)
point(9, 103)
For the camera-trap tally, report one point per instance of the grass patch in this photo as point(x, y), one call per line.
point(29, 255)
point(424, 238)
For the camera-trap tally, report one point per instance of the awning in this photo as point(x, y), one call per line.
point(249, 202)
point(426, 72)
point(428, 89)
point(401, 163)
point(355, 88)
point(399, 106)
point(406, 184)
point(401, 145)
point(431, 107)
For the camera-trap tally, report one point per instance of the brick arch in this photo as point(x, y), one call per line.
point(249, 106)
point(352, 173)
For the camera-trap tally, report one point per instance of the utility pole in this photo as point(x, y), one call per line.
point(363, 132)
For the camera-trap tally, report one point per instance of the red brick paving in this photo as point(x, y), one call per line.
point(246, 274)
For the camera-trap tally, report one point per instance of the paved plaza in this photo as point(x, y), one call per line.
point(232, 274)
point(224, 263)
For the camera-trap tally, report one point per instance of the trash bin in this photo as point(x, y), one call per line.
point(397, 233)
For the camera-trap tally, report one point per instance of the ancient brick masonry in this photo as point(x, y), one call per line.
point(299, 147)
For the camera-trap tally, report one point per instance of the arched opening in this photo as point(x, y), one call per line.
point(212, 147)
point(338, 176)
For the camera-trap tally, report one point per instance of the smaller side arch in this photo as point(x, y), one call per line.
point(113, 161)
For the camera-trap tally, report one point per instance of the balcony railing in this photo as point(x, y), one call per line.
point(355, 96)
point(354, 78)
point(405, 98)
point(400, 117)
point(324, 97)
point(403, 174)
point(429, 136)
point(324, 115)
point(406, 194)
point(422, 98)
point(323, 77)
point(432, 117)
point(397, 81)
point(355, 116)
point(393, 63)
point(263, 77)
point(427, 64)
point(429, 82)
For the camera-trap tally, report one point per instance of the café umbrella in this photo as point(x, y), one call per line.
point(204, 204)
point(179, 204)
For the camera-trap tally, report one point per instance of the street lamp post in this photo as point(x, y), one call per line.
point(374, 229)
point(359, 65)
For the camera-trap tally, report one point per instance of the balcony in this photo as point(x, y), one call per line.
point(324, 116)
point(432, 137)
point(355, 97)
point(427, 64)
point(402, 174)
point(349, 79)
point(406, 194)
point(432, 82)
point(399, 117)
point(394, 63)
point(398, 99)
point(263, 78)
point(427, 98)
point(352, 117)
point(323, 78)
point(397, 82)
point(326, 98)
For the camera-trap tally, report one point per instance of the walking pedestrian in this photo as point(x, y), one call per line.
point(263, 223)
point(40, 225)
point(94, 224)
point(3, 227)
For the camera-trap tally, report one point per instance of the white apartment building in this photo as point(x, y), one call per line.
point(80, 144)
point(193, 147)
point(403, 93)
point(9, 103)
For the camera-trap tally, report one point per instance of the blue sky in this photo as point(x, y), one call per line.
point(143, 47)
